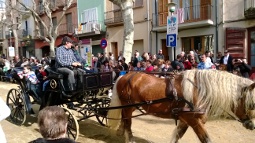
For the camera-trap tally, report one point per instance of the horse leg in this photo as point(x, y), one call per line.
point(127, 120)
point(121, 130)
point(179, 131)
point(197, 122)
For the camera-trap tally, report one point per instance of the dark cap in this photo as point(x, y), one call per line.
point(67, 39)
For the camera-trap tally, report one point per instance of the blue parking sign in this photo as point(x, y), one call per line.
point(171, 40)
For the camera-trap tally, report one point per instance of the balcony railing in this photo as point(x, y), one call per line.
point(185, 15)
point(113, 17)
point(65, 28)
point(249, 8)
point(89, 27)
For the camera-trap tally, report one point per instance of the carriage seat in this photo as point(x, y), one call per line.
point(52, 74)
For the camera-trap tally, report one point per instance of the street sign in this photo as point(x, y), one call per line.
point(11, 51)
point(103, 43)
point(172, 24)
point(171, 40)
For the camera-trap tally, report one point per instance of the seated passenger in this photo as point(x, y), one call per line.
point(52, 122)
point(32, 84)
point(65, 61)
point(42, 77)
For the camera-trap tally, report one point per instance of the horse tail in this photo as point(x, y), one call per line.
point(114, 116)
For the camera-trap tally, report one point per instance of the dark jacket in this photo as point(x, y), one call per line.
point(229, 64)
point(61, 140)
point(244, 69)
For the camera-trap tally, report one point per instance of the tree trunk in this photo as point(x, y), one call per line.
point(16, 42)
point(52, 47)
point(128, 39)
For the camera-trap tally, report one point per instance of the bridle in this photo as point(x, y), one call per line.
point(251, 106)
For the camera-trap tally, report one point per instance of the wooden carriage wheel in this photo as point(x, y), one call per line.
point(101, 115)
point(72, 126)
point(16, 102)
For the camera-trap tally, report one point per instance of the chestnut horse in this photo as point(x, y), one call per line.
point(194, 96)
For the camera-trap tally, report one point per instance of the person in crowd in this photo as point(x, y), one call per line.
point(227, 60)
point(124, 64)
point(218, 57)
point(145, 56)
point(25, 62)
point(187, 64)
point(149, 67)
point(17, 61)
point(65, 61)
point(52, 122)
point(182, 56)
point(195, 55)
point(167, 67)
point(111, 57)
point(203, 64)
point(77, 54)
point(106, 67)
point(130, 66)
point(137, 58)
point(242, 66)
point(120, 57)
point(4, 113)
point(154, 59)
point(138, 67)
point(192, 61)
point(2, 64)
point(160, 55)
point(208, 56)
point(177, 64)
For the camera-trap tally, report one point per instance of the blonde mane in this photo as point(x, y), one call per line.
point(218, 91)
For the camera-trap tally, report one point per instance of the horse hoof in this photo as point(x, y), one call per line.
point(120, 132)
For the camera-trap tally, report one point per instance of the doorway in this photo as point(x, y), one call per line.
point(164, 49)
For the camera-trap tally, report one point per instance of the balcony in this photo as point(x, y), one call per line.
point(90, 28)
point(188, 17)
point(113, 18)
point(249, 9)
point(65, 28)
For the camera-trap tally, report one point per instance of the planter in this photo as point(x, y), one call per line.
point(250, 13)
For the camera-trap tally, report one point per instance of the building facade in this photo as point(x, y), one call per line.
point(91, 26)
point(238, 28)
point(142, 26)
point(196, 26)
point(66, 28)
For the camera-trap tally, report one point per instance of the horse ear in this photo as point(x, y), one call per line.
point(252, 86)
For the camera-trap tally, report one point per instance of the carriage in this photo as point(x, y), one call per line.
point(91, 94)
point(189, 97)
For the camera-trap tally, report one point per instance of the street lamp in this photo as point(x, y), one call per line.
point(172, 8)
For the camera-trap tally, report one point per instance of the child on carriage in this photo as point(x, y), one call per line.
point(32, 84)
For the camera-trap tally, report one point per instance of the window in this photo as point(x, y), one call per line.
point(69, 23)
point(138, 3)
point(54, 22)
point(41, 29)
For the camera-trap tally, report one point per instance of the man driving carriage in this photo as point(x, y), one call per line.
point(66, 60)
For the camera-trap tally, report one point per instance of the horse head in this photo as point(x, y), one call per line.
point(248, 100)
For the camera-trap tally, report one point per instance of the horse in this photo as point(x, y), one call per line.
point(190, 97)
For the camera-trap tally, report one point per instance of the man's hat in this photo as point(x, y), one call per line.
point(67, 39)
point(226, 51)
